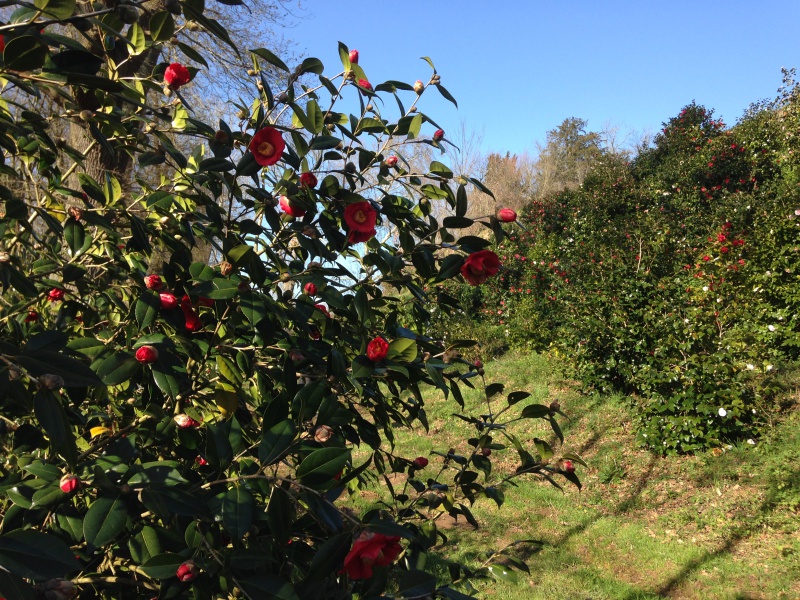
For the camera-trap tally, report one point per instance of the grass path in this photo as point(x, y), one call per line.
point(724, 524)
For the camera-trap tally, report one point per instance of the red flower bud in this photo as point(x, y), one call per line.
point(168, 301)
point(202, 462)
point(391, 161)
point(291, 209)
point(176, 75)
point(365, 84)
point(567, 466)
point(438, 135)
point(69, 483)
point(188, 571)
point(310, 289)
point(420, 462)
point(506, 215)
point(185, 421)
point(147, 355)
point(55, 295)
point(32, 317)
point(354, 56)
point(308, 179)
point(153, 282)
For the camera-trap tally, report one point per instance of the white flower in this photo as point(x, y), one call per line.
point(771, 327)
point(750, 367)
point(686, 321)
point(797, 211)
point(723, 412)
point(751, 441)
point(769, 367)
point(705, 288)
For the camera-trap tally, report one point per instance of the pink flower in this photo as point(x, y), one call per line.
point(479, 266)
point(291, 209)
point(176, 75)
point(369, 550)
point(377, 349)
point(267, 146)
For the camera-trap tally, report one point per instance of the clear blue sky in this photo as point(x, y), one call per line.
point(518, 68)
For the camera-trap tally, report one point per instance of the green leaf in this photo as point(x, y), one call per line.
point(320, 467)
point(329, 556)
point(268, 587)
point(104, 521)
point(275, 442)
point(239, 255)
point(47, 496)
point(402, 348)
point(162, 26)
point(53, 419)
point(440, 169)
point(75, 235)
point(503, 573)
point(515, 397)
point(144, 545)
point(165, 379)
point(457, 222)
point(238, 505)
point(118, 368)
point(446, 94)
point(451, 266)
point(74, 372)
point(136, 39)
point(270, 58)
point(252, 307)
point(162, 566)
point(35, 555)
point(24, 53)
point(12, 586)
point(311, 65)
point(535, 411)
point(147, 307)
point(416, 584)
point(543, 448)
point(228, 369)
point(493, 389)
point(57, 9)
point(324, 142)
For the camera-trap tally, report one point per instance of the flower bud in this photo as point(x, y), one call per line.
point(419, 87)
point(69, 483)
point(506, 215)
point(51, 382)
point(354, 56)
point(225, 268)
point(323, 434)
point(438, 135)
point(420, 462)
point(32, 317)
point(391, 161)
point(75, 212)
point(153, 282)
point(310, 289)
point(168, 301)
point(308, 179)
point(184, 421)
point(222, 137)
point(147, 355)
point(188, 571)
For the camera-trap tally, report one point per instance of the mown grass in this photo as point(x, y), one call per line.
point(723, 524)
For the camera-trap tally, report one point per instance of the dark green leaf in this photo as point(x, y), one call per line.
point(238, 505)
point(276, 441)
point(35, 555)
point(118, 368)
point(162, 26)
point(270, 58)
point(320, 467)
point(104, 521)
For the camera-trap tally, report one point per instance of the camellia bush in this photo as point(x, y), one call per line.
point(203, 349)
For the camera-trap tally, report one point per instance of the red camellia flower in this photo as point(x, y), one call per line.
point(146, 355)
point(188, 571)
point(201, 462)
point(55, 295)
point(291, 209)
point(267, 146)
point(377, 349)
point(176, 75)
point(438, 135)
point(2, 43)
point(420, 462)
point(722, 237)
point(369, 550)
point(479, 266)
point(310, 289)
point(308, 179)
point(168, 301)
point(354, 56)
point(706, 258)
point(323, 308)
point(365, 84)
point(724, 249)
point(568, 467)
point(153, 282)
point(185, 421)
point(506, 215)
point(32, 317)
point(391, 161)
point(69, 483)
point(360, 218)
point(193, 322)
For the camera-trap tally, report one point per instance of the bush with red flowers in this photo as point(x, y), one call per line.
point(213, 418)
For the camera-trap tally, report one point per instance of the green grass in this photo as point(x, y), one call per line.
point(723, 524)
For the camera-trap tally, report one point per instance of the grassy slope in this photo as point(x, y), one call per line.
point(720, 525)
